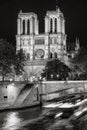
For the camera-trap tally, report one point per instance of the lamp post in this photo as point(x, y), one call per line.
point(51, 76)
point(57, 76)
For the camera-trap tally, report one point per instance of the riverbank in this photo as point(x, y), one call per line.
point(36, 118)
point(17, 108)
point(17, 95)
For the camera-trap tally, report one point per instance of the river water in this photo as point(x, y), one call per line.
point(37, 119)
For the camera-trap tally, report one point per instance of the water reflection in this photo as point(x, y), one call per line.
point(18, 120)
point(12, 121)
point(35, 119)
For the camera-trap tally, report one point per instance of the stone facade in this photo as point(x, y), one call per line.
point(50, 44)
point(55, 89)
point(39, 48)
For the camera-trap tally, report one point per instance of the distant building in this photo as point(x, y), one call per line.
point(73, 49)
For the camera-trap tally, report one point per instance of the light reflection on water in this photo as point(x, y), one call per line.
point(17, 120)
point(30, 119)
point(12, 121)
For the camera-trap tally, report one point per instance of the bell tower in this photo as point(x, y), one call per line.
point(54, 22)
point(55, 29)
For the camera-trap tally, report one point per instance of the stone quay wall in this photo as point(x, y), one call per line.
point(9, 92)
point(54, 89)
point(15, 95)
point(18, 95)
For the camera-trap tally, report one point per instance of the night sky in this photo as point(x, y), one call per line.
point(75, 13)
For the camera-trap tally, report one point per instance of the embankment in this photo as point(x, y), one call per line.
point(15, 95)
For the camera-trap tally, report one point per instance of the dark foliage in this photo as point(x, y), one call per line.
point(80, 64)
point(56, 70)
point(7, 53)
point(18, 62)
point(10, 61)
point(81, 56)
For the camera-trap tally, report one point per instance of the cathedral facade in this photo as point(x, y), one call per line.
point(51, 44)
point(39, 48)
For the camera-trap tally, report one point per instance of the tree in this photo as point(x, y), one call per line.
point(18, 62)
point(6, 55)
point(55, 70)
point(11, 63)
point(79, 64)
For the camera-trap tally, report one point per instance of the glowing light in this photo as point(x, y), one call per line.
point(12, 92)
point(12, 121)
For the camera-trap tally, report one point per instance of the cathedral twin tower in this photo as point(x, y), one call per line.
point(51, 44)
point(27, 24)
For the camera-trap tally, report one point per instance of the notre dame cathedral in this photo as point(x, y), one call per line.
point(37, 47)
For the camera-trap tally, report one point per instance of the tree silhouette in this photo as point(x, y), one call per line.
point(10, 61)
point(19, 62)
point(56, 70)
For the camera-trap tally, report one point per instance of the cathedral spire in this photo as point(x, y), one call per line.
point(57, 7)
point(77, 44)
point(56, 4)
point(20, 11)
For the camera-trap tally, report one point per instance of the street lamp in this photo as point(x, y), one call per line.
point(57, 76)
point(51, 76)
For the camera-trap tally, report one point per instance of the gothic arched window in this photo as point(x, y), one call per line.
point(51, 55)
point(28, 26)
point(33, 20)
point(51, 24)
point(23, 26)
point(55, 25)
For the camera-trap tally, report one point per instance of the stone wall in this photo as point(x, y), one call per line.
point(35, 70)
point(9, 92)
point(28, 96)
point(54, 89)
point(18, 95)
